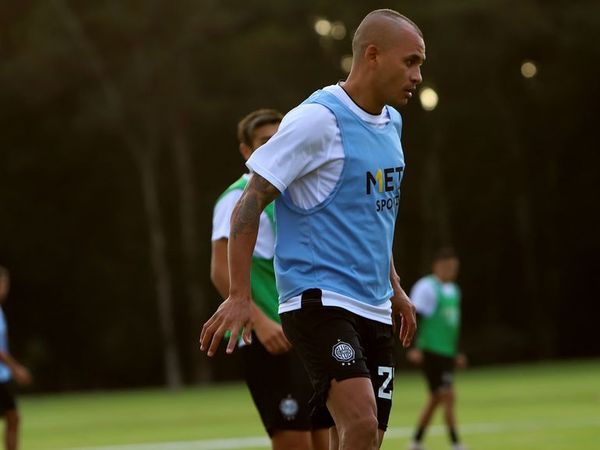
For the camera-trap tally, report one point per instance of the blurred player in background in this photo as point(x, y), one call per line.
point(10, 369)
point(274, 374)
point(437, 299)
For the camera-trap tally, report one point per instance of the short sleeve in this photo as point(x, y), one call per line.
point(222, 214)
point(424, 297)
point(300, 146)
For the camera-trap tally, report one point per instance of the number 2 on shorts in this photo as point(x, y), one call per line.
point(389, 372)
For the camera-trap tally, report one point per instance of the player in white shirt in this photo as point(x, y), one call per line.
point(273, 372)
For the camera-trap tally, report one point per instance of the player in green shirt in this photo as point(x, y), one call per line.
point(273, 372)
point(437, 300)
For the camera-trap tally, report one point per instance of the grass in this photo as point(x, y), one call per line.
point(549, 406)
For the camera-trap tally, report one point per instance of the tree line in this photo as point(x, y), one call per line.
point(118, 134)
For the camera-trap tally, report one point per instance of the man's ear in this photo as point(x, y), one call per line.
point(371, 53)
point(245, 150)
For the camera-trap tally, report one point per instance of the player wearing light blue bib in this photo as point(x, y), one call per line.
point(334, 168)
point(5, 375)
point(344, 244)
point(10, 369)
point(333, 260)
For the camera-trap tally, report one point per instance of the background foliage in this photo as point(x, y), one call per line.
point(117, 133)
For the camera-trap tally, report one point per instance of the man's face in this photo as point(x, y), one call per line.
point(400, 67)
point(446, 269)
point(263, 133)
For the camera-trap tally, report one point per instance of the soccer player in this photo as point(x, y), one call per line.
point(10, 369)
point(334, 168)
point(277, 381)
point(437, 299)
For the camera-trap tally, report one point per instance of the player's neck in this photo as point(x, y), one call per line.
point(364, 98)
point(440, 279)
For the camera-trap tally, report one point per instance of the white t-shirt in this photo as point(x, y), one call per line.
point(265, 242)
point(424, 295)
point(306, 156)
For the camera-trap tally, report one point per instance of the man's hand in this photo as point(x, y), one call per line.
point(415, 356)
point(19, 372)
point(271, 335)
point(402, 307)
point(234, 314)
point(21, 375)
point(461, 361)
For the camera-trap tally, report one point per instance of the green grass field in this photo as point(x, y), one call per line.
point(550, 406)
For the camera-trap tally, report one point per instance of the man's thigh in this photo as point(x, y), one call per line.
point(378, 343)
point(327, 341)
point(336, 344)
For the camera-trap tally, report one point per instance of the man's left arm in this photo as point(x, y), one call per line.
point(402, 309)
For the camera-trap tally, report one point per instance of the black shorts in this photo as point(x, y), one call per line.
point(334, 343)
point(281, 390)
point(439, 370)
point(7, 397)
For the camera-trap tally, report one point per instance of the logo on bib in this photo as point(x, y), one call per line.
point(289, 408)
point(343, 352)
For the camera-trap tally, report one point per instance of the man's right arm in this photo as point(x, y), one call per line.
point(268, 331)
point(235, 313)
point(20, 373)
point(245, 220)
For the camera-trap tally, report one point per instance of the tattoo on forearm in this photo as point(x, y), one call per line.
point(246, 215)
